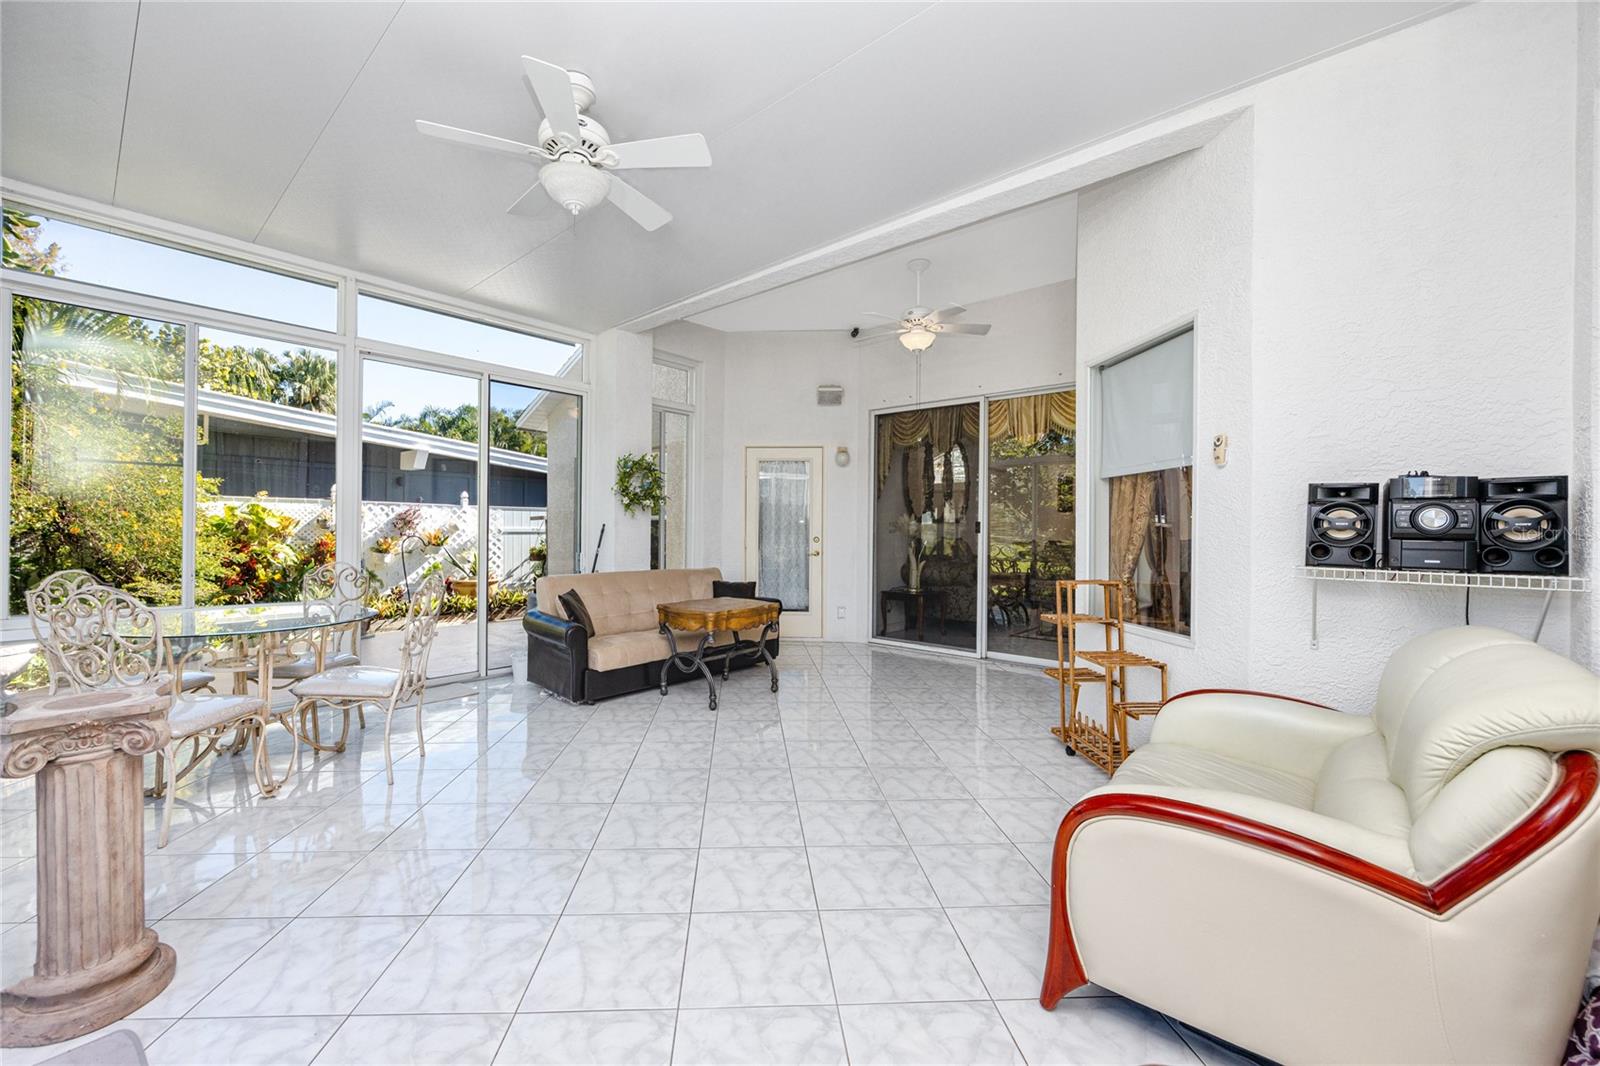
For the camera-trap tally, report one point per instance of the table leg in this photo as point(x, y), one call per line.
point(766, 653)
point(883, 614)
point(695, 660)
point(921, 606)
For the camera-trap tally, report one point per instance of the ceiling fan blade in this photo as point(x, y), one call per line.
point(945, 312)
point(877, 333)
point(683, 150)
point(532, 202)
point(552, 91)
point(975, 328)
point(637, 206)
point(880, 314)
point(478, 140)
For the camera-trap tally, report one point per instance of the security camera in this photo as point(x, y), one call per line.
point(855, 331)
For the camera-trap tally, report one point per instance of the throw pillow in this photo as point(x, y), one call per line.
point(742, 589)
point(572, 603)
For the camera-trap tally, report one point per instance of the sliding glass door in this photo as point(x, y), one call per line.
point(535, 442)
point(974, 513)
point(419, 505)
point(1032, 501)
point(926, 513)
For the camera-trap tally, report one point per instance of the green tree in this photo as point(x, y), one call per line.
point(461, 423)
point(96, 445)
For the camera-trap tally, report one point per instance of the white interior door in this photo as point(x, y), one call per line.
point(783, 533)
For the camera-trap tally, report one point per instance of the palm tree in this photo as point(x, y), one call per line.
point(308, 380)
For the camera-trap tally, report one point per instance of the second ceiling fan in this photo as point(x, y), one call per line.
point(578, 156)
point(918, 327)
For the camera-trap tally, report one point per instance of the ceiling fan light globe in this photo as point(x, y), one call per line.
point(574, 184)
point(917, 340)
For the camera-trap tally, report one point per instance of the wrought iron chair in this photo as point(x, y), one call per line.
point(53, 591)
point(337, 591)
point(100, 637)
point(350, 688)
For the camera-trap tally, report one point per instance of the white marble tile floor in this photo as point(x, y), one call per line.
point(852, 870)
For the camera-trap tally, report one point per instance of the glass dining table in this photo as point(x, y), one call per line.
point(258, 644)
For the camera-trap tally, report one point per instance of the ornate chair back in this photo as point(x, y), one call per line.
point(422, 620)
point(340, 591)
point(44, 597)
point(94, 636)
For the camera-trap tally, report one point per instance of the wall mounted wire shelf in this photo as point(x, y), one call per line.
point(1548, 585)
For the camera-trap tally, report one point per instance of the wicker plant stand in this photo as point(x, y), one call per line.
point(1104, 743)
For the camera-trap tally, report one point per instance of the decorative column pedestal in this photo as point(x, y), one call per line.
point(97, 961)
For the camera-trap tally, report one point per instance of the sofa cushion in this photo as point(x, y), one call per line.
point(573, 608)
point(1478, 805)
point(1449, 697)
point(1354, 787)
point(1185, 767)
point(625, 601)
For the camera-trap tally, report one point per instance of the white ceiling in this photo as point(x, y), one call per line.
point(291, 124)
point(1016, 251)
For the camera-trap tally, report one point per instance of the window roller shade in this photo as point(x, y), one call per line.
point(1147, 409)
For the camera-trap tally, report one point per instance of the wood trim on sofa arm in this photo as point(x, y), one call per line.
point(1577, 779)
point(1246, 692)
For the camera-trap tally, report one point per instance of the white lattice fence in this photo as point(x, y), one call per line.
point(512, 532)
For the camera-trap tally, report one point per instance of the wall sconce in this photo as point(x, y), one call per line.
point(842, 456)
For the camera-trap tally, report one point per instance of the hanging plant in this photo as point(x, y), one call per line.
point(640, 484)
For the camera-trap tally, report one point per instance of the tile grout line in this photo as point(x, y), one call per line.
point(290, 920)
point(805, 846)
point(545, 947)
point(688, 931)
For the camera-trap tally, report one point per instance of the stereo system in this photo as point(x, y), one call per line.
point(1464, 524)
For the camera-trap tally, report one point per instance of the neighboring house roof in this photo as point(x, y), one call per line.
point(134, 393)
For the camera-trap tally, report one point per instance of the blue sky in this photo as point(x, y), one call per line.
point(131, 265)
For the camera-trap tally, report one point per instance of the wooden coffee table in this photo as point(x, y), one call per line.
point(720, 614)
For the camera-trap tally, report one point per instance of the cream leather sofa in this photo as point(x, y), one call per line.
point(1417, 885)
point(627, 651)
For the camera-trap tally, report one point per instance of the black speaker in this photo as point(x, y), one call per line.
point(1342, 525)
point(1524, 525)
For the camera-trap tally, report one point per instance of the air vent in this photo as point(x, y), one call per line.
point(830, 395)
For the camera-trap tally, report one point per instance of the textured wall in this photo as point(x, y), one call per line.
point(1412, 307)
point(1406, 214)
point(620, 424)
point(1162, 246)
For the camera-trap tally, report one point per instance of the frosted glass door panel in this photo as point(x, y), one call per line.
point(785, 531)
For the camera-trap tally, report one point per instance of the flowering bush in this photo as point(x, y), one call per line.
point(257, 561)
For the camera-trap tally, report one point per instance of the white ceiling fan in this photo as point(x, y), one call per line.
point(919, 326)
point(578, 156)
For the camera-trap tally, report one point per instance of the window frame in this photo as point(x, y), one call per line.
point(691, 449)
point(1094, 531)
point(348, 348)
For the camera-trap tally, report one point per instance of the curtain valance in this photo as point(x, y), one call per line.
point(1026, 418)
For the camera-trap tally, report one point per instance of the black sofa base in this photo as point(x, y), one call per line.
point(558, 657)
point(603, 684)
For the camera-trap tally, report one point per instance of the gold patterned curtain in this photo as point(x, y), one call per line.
point(1029, 418)
point(1133, 498)
point(1025, 417)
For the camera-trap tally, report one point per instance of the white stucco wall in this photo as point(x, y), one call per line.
point(1387, 239)
point(620, 370)
point(1161, 247)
